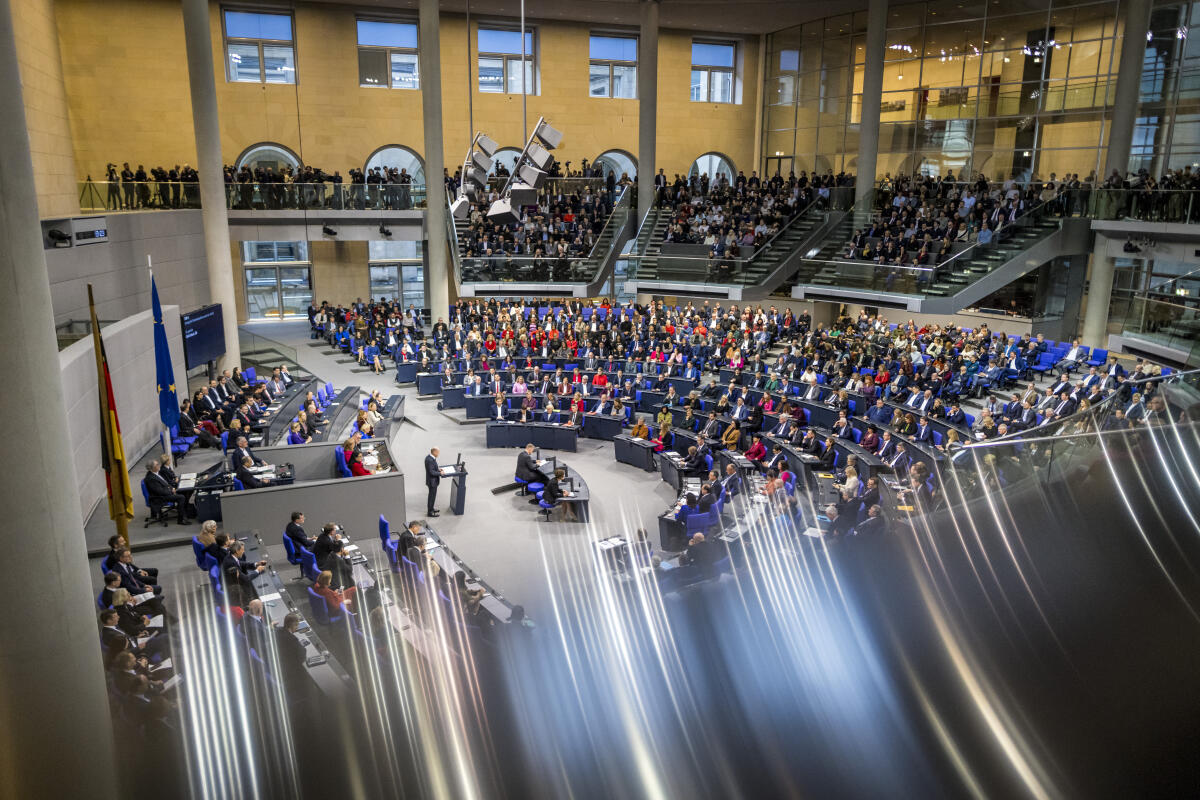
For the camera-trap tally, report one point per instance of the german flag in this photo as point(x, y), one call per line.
point(112, 450)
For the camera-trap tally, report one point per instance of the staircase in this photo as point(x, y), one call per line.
point(771, 264)
point(584, 278)
point(968, 277)
point(648, 244)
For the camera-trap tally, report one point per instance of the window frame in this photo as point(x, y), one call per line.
point(611, 63)
point(388, 51)
point(260, 44)
point(732, 72)
point(402, 265)
point(505, 58)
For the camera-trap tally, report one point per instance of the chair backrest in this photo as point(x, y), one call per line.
point(145, 494)
point(290, 548)
point(224, 441)
point(970, 419)
point(238, 486)
point(698, 522)
point(392, 551)
point(318, 606)
point(308, 564)
point(339, 457)
point(385, 532)
point(708, 461)
point(198, 551)
point(251, 374)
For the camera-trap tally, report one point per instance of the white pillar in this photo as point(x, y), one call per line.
point(197, 32)
point(437, 277)
point(872, 96)
point(58, 730)
point(647, 107)
point(1099, 295)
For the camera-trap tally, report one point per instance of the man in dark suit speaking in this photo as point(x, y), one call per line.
point(433, 476)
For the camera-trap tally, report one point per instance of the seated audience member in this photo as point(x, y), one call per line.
point(238, 572)
point(700, 552)
point(357, 467)
point(639, 429)
point(527, 466)
point(114, 640)
point(161, 493)
point(296, 435)
point(553, 493)
point(691, 505)
point(295, 532)
point(874, 521)
point(330, 551)
point(249, 479)
point(337, 599)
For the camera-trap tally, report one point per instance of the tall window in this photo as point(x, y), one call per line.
point(712, 72)
point(387, 54)
point(278, 279)
point(500, 61)
point(612, 67)
point(396, 272)
point(258, 48)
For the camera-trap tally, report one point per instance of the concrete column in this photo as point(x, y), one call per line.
point(55, 706)
point(1129, 79)
point(197, 32)
point(1099, 294)
point(647, 106)
point(872, 96)
point(437, 255)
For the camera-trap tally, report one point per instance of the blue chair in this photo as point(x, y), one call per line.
point(545, 508)
point(339, 457)
point(385, 530)
point(289, 547)
point(698, 523)
point(199, 552)
point(308, 565)
point(238, 486)
point(529, 486)
point(151, 519)
point(251, 375)
point(391, 549)
point(320, 609)
point(100, 601)
point(224, 441)
point(708, 462)
point(1099, 358)
point(210, 562)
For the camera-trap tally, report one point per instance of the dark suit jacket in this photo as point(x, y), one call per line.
point(248, 479)
point(526, 468)
point(291, 655)
point(157, 486)
point(433, 475)
point(326, 550)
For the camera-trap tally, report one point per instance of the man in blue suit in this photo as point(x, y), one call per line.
point(880, 413)
point(433, 476)
point(924, 432)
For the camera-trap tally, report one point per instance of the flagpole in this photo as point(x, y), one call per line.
point(164, 435)
point(112, 452)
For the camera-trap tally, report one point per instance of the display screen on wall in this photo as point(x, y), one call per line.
point(203, 335)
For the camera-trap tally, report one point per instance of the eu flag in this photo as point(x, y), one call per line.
point(168, 401)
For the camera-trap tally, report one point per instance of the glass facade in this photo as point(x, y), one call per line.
point(974, 87)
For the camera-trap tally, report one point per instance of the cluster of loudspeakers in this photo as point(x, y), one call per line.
point(529, 174)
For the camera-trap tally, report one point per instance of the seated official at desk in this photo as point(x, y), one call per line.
point(357, 468)
point(691, 505)
point(249, 479)
point(411, 537)
point(498, 411)
point(295, 532)
point(639, 429)
point(700, 552)
point(330, 551)
point(527, 466)
point(239, 573)
point(554, 492)
point(161, 492)
point(242, 451)
point(694, 463)
point(296, 434)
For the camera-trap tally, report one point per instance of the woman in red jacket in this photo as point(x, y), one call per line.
point(357, 468)
point(336, 599)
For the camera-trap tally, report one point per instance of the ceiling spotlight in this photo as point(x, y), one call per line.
point(521, 194)
point(487, 145)
point(477, 176)
point(539, 156)
point(383, 231)
point(328, 231)
point(548, 136)
point(481, 161)
point(460, 208)
point(501, 213)
point(531, 175)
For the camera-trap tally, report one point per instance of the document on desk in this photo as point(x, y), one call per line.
point(269, 598)
point(447, 470)
point(351, 548)
point(815, 533)
point(155, 622)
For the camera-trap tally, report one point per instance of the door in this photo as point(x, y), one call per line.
point(781, 165)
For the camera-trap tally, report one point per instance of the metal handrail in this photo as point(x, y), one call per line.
point(758, 251)
point(1016, 436)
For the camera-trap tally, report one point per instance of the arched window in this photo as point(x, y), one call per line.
point(616, 161)
point(398, 157)
point(268, 154)
point(713, 164)
point(508, 157)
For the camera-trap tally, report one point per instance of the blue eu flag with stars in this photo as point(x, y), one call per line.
point(168, 400)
